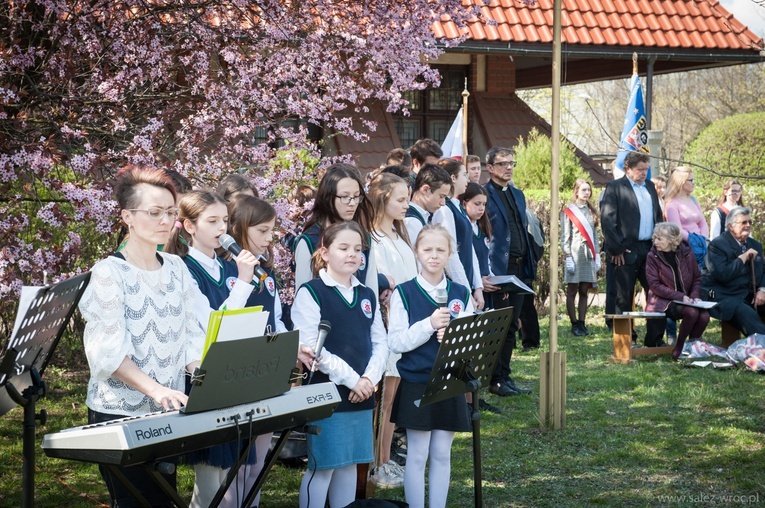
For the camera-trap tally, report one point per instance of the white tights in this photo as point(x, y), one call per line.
point(337, 484)
point(419, 445)
point(209, 479)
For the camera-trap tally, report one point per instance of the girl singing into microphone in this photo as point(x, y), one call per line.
point(222, 284)
point(416, 326)
point(354, 356)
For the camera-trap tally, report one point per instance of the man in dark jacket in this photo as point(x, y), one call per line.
point(629, 210)
point(509, 254)
point(734, 275)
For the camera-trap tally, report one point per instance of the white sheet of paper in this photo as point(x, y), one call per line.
point(699, 305)
point(242, 326)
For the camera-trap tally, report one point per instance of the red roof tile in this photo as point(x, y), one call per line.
point(700, 24)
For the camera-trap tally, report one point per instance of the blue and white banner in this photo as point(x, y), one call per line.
point(634, 136)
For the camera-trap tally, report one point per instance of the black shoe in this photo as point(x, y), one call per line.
point(491, 408)
point(527, 349)
point(512, 386)
point(584, 328)
point(501, 389)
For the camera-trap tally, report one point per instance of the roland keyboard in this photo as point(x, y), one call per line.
point(141, 439)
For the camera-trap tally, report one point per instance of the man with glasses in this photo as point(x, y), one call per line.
point(509, 254)
point(734, 274)
point(629, 209)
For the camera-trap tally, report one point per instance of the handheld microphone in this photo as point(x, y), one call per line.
point(441, 297)
point(228, 243)
point(324, 328)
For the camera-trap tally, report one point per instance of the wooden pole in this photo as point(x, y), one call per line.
point(465, 95)
point(552, 400)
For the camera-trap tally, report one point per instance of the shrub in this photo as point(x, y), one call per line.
point(731, 146)
point(534, 157)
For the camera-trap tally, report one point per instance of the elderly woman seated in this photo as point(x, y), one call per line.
point(734, 274)
point(673, 274)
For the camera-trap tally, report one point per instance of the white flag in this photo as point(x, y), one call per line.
point(452, 145)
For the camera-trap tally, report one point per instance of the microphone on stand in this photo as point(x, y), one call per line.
point(324, 328)
point(228, 243)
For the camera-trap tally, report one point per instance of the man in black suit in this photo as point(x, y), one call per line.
point(727, 277)
point(629, 209)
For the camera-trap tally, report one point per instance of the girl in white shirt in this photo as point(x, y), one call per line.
point(221, 284)
point(339, 198)
point(389, 196)
point(353, 358)
point(420, 311)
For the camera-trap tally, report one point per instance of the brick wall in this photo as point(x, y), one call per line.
point(500, 74)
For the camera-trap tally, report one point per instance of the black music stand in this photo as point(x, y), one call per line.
point(26, 357)
point(468, 353)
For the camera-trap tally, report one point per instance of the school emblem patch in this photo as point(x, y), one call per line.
point(363, 264)
point(270, 285)
point(230, 283)
point(366, 306)
point(455, 307)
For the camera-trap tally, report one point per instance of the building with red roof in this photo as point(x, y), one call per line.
point(510, 48)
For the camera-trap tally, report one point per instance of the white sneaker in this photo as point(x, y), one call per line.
point(399, 469)
point(386, 476)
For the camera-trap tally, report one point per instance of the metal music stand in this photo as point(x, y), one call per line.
point(467, 356)
point(26, 357)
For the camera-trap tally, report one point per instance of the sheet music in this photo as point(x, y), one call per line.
point(501, 280)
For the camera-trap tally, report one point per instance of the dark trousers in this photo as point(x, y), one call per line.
point(610, 294)
point(137, 476)
point(693, 322)
point(502, 301)
point(623, 279)
point(747, 319)
point(529, 322)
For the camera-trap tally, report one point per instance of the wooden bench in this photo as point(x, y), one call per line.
point(622, 327)
point(729, 334)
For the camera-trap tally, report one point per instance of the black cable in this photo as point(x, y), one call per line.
point(313, 472)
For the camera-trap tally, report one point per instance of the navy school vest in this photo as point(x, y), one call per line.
point(312, 236)
point(415, 366)
point(412, 212)
point(464, 231)
point(351, 334)
point(215, 291)
point(481, 247)
point(264, 293)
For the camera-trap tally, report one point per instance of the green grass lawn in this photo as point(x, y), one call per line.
point(652, 433)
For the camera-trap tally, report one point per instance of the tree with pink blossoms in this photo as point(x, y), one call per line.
point(201, 87)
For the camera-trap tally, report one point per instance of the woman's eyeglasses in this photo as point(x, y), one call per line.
point(347, 200)
point(156, 213)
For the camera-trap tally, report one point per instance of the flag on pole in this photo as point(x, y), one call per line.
point(452, 145)
point(634, 136)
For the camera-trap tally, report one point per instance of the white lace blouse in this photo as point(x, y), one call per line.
point(146, 316)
